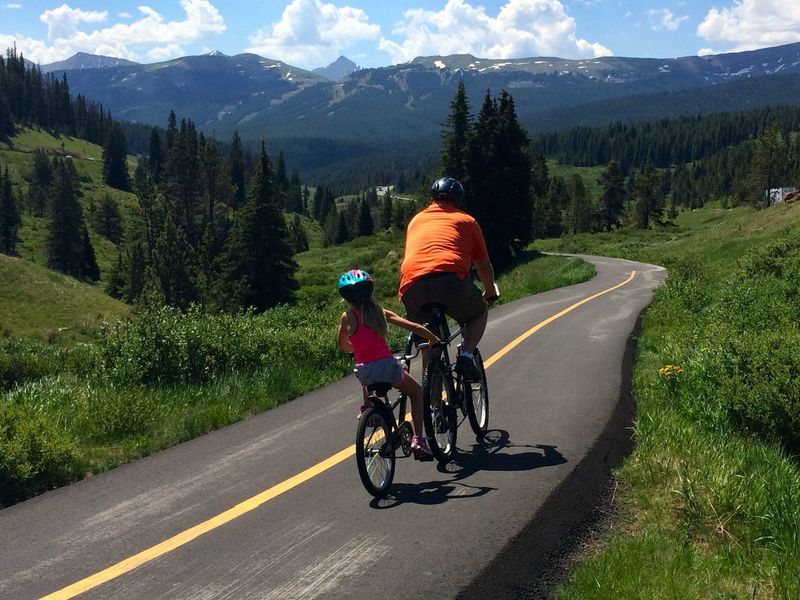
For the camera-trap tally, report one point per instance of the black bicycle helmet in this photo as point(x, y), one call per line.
point(355, 286)
point(448, 189)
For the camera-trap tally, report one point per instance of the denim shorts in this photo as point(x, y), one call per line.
point(386, 370)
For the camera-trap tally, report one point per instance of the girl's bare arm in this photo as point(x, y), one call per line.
point(343, 339)
point(421, 331)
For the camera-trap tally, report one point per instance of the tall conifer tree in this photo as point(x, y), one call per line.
point(9, 215)
point(612, 200)
point(259, 264)
point(455, 138)
point(115, 160)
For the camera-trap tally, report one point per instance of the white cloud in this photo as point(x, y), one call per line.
point(312, 33)
point(664, 19)
point(63, 22)
point(165, 52)
point(750, 24)
point(521, 28)
point(125, 15)
point(149, 33)
point(706, 52)
point(12, 6)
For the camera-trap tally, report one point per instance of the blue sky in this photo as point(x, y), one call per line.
point(312, 33)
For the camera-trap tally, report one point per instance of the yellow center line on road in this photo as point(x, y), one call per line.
point(176, 541)
point(510, 346)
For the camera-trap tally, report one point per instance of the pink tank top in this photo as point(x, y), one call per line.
point(367, 344)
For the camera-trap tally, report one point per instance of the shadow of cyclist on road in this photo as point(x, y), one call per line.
point(487, 455)
point(428, 492)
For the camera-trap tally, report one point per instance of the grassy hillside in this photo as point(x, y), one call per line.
point(706, 506)
point(37, 302)
point(16, 153)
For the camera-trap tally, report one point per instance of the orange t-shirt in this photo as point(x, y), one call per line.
point(439, 239)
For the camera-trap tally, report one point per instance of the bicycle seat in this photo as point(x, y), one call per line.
point(381, 388)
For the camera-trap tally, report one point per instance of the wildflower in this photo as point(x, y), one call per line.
point(670, 370)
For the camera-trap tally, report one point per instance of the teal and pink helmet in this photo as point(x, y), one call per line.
point(356, 286)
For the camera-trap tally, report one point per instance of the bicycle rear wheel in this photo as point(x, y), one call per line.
point(439, 411)
point(477, 399)
point(374, 453)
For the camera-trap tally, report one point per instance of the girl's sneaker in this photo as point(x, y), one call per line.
point(419, 445)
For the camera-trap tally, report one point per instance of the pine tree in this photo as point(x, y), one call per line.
point(540, 183)
point(456, 136)
point(259, 265)
point(612, 200)
point(768, 166)
point(146, 196)
point(498, 172)
point(108, 220)
point(6, 122)
point(294, 195)
point(136, 269)
point(579, 212)
point(182, 184)
point(236, 166)
point(115, 160)
point(281, 181)
point(387, 210)
point(365, 224)
point(298, 235)
point(155, 156)
point(115, 287)
point(173, 264)
point(553, 205)
point(89, 268)
point(69, 249)
point(648, 205)
point(342, 230)
point(41, 180)
point(315, 210)
point(9, 215)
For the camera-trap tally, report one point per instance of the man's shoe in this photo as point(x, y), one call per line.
point(467, 369)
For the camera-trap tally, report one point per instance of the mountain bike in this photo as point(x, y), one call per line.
point(444, 392)
point(382, 430)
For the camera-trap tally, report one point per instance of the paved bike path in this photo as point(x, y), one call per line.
point(551, 397)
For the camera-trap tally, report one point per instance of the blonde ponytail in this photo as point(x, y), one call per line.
point(372, 316)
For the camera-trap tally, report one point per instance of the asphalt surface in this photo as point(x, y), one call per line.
point(483, 525)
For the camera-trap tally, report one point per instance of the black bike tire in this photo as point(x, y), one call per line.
point(433, 372)
point(479, 428)
point(381, 488)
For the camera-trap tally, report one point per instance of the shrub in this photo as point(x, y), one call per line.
point(23, 360)
point(34, 455)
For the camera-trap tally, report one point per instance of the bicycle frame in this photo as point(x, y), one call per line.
point(380, 401)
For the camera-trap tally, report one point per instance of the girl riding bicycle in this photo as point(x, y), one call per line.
point(363, 331)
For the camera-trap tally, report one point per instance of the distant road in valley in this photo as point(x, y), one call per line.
point(272, 507)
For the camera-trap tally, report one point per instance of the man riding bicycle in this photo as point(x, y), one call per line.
point(442, 243)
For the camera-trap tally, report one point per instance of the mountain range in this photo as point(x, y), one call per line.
point(262, 97)
point(83, 60)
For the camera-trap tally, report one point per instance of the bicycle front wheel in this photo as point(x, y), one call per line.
point(374, 452)
point(477, 399)
point(439, 411)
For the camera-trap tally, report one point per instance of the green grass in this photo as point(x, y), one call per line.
point(590, 175)
point(707, 502)
point(40, 303)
